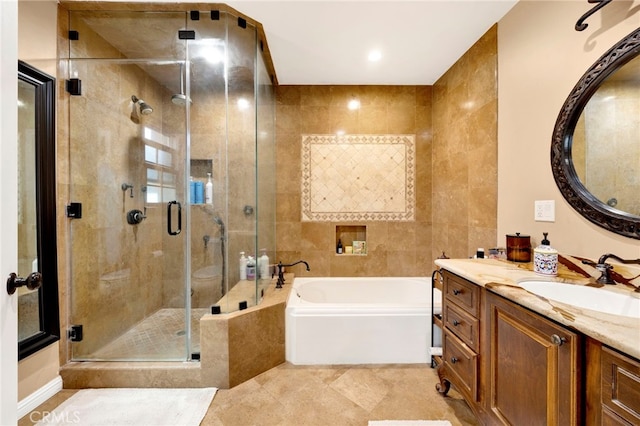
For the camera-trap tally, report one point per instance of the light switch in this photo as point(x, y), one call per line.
point(545, 211)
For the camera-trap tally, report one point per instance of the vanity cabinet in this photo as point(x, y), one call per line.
point(461, 304)
point(511, 365)
point(613, 387)
point(533, 366)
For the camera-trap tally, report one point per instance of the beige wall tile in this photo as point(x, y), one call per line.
point(322, 110)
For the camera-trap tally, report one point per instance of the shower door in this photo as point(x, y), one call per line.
point(128, 169)
point(160, 103)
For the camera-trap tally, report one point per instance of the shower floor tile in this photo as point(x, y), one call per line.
point(160, 336)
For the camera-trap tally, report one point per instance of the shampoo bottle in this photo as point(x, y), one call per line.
point(263, 263)
point(199, 192)
point(339, 246)
point(251, 268)
point(192, 190)
point(243, 266)
point(208, 194)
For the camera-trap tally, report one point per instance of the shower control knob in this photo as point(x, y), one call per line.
point(134, 217)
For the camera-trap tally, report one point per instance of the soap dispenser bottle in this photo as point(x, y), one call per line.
point(545, 258)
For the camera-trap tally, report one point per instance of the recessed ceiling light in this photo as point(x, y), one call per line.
point(353, 104)
point(375, 55)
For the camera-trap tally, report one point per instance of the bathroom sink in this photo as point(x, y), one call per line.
point(594, 299)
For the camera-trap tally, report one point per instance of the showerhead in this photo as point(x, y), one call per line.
point(218, 220)
point(180, 98)
point(145, 108)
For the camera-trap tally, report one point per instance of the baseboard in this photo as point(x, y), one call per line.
point(32, 401)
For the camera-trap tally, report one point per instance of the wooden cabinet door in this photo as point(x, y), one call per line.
point(533, 367)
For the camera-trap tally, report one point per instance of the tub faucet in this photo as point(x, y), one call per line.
point(605, 268)
point(281, 271)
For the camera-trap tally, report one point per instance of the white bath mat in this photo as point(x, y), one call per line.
point(133, 406)
point(409, 423)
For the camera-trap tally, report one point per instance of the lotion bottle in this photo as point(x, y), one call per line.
point(208, 195)
point(243, 266)
point(545, 258)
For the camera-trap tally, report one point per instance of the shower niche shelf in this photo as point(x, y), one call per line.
point(353, 239)
point(200, 168)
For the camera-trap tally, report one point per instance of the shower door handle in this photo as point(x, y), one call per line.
point(176, 232)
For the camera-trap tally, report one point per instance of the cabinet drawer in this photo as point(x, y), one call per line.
point(462, 293)
point(621, 385)
point(462, 363)
point(462, 325)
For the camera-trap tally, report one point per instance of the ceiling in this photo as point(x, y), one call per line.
point(327, 42)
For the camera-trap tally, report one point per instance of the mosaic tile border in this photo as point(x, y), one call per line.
point(328, 196)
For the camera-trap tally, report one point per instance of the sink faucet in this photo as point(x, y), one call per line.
point(604, 267)
point(281, 271)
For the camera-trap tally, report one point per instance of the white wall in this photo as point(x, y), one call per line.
point(37, 22)
point(8, 194)
point(540, 58)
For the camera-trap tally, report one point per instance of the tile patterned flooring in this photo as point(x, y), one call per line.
point(326, 395)
point(160, 336)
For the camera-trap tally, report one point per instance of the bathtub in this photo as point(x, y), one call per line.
point(335, 321)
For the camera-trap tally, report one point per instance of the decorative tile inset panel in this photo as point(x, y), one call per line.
point(358, 177)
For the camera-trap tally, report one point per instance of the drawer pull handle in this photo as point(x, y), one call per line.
point(456, 292)
point(454, 360)
point(456, 323)
point(557, 340)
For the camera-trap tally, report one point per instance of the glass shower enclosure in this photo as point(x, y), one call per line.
point(171, 174)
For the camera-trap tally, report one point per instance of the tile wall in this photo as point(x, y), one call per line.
point(465, 149)
point(394, 248)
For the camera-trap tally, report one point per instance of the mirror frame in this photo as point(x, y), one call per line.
point(564, 173)
point(45, 153)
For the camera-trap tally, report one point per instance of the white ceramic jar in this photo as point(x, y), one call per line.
point(545, 258)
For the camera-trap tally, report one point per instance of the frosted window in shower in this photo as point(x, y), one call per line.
point(150, 154)
point(164, 158)
point(153, 186)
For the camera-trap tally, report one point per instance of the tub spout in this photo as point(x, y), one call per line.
point(281, 271)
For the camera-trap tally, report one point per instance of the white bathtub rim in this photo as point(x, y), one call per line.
point(295, 300)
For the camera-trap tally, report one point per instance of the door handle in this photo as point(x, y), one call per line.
point(179, 229)
point(32, 282)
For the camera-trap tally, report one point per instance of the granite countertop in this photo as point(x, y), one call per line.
point(502, 277)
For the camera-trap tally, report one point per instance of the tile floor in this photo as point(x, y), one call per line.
point(160, 336)
point(326, 395)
